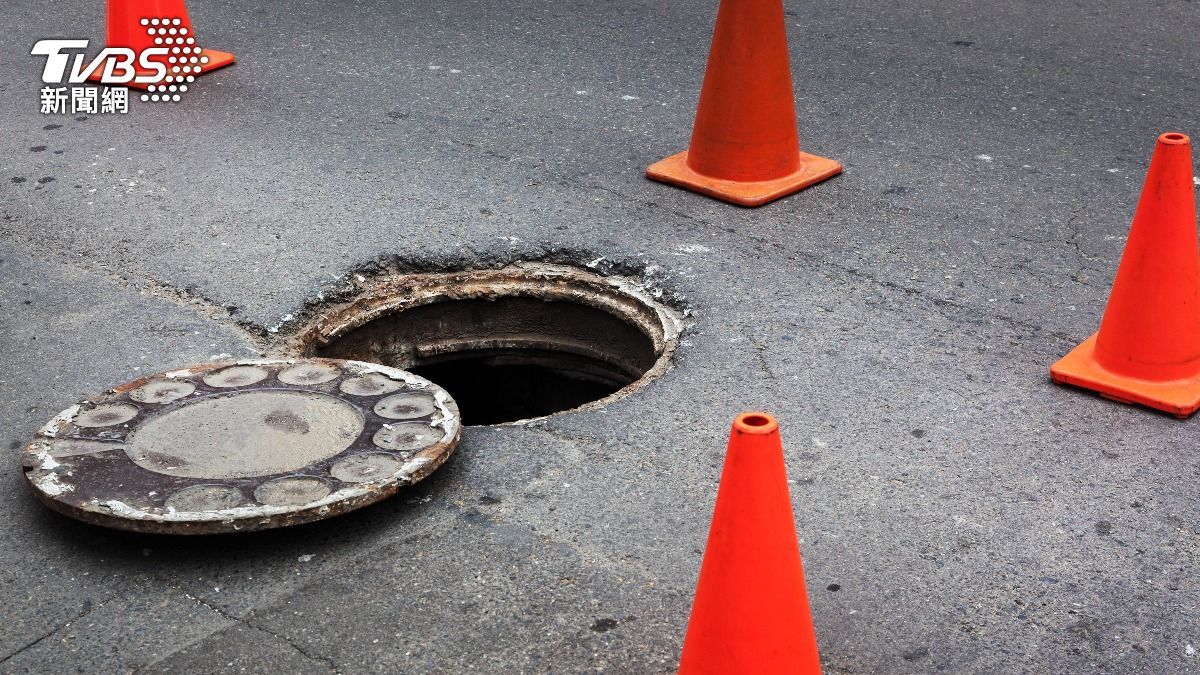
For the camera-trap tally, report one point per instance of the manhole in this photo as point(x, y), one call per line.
point(510, 344)
point(248, 446)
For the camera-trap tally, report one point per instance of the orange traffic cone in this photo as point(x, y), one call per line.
point(142, 24)
point(751, 611)
point(745, 148)
point(1148, 348)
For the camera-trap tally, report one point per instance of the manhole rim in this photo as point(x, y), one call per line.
point(621, 296)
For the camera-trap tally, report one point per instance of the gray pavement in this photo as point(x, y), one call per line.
point(957, 511)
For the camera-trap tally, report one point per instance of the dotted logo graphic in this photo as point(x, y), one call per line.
point(183, 63)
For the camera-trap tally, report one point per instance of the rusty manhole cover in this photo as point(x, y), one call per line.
point(246, 446)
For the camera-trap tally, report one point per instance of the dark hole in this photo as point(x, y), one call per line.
point(756, 420)
point(492, 387)
point(507, 358)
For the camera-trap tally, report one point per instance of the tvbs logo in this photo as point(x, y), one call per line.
point(168, 60)
point(166, 63)
point(114, 65)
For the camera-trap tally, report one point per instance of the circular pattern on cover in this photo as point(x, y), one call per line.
point(224, 447)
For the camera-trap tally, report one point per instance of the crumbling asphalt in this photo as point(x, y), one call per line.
point(957, 511)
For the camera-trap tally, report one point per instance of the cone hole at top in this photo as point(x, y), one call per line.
point(508, 344)
point(756, 423)
point(756, 420)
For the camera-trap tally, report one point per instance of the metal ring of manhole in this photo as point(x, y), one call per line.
point(248, 446)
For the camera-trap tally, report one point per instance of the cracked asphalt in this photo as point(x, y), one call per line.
point(957, 511)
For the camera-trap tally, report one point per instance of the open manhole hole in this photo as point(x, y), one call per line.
point(511, 344)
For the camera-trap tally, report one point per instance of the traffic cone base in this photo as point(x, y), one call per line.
point(1079, 368)
point(674, 170)
point(216, 59)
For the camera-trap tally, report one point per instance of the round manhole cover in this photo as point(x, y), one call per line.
point(245, 446)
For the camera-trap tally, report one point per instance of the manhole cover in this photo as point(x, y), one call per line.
point(246, 446)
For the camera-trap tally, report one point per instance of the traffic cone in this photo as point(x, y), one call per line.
point(745, 148)
point(142, 24)
point(1148, 348)
point(751, 610)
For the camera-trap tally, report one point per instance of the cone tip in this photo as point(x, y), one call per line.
point(1174, 138)
point(755, 423)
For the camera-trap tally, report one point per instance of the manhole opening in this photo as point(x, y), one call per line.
point(511, 344)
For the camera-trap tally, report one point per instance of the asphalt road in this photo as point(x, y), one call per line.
point(957, 511)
